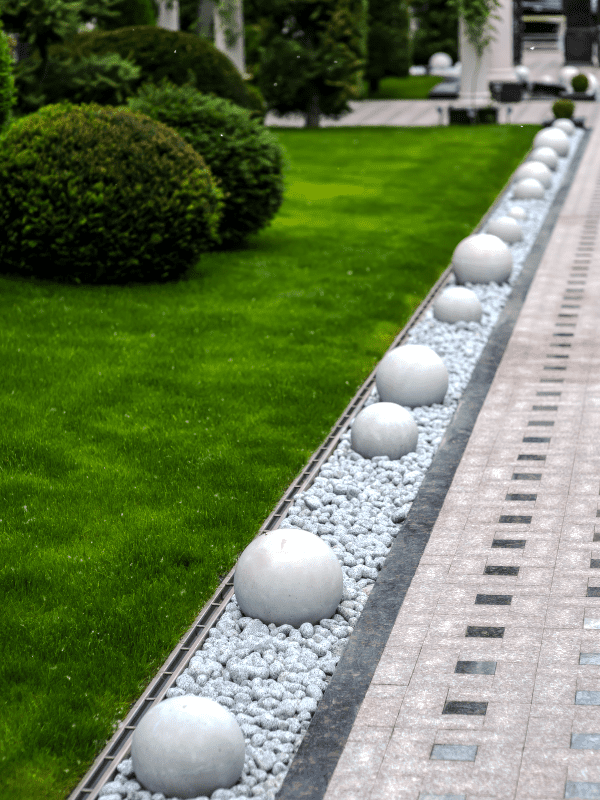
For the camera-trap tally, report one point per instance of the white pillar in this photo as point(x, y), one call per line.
point(235, 51)
point(474, 89)
point(496, 62)
point(501, 65)
point(168, 18)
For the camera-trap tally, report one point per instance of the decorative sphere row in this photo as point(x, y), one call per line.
point(190, 746)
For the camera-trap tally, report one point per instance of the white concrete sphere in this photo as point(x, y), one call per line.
point(507, 229)
point(384, 429)
point(187, 747)
point(546, 155)
point(545, 79)
point(522, 73)
point(518, 213)
point(566, 74)
point(457, 303)
point(440, 61)
point(537, 170)
point(288, 577)
point(554, 138)
point(412, 375)
point(592, 83)
point(566, 125)
point(482, 258)
point(528, 189)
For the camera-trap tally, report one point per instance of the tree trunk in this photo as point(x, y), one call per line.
point(313, 114)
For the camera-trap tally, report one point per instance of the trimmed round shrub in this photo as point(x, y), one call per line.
point(100, 195)
point(246, 157)
point(579, 82)
point(183, 58)
point(563, 109)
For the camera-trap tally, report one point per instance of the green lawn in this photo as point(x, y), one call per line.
point(413, 87)
point(148, 431)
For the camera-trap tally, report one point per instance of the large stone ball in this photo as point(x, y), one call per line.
point(457, 303)
point(482, 258)
point(517, 213)
point(554, 138)
point(537, 170)
point(528, 189)
point(288, 577)
point(566, 125)
point(546, 155)
point(187, 747)
point(440, 61)
point(412, 375)
point(592, 83)
point(384, 429)
point(507, 229)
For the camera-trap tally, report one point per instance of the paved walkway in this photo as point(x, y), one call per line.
point(409, 113)
point(489, 684)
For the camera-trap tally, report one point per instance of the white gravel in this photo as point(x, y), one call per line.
point(272, 678)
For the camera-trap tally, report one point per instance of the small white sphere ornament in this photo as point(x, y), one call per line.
point(546, 155)
point(566, 74)
point(547, 79)
point(522, 73)
point(288, 577)
point(457, 303)
point(592, 83)
point(384, 429)
point(554, 138)
point(528, 189)
point(187, 747)
point(537, 170)
point(440, 61)
point(412, 375)
point(518, 213)
point(566, 125)
point(507, 229)
point(482, 258)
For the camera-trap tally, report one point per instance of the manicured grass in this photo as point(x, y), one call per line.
point(413, 87)
point(148, 431)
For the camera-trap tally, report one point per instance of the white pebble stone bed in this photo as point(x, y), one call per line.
point(272, 678)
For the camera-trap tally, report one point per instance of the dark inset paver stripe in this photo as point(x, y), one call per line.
point(595, 563)
point(501, 571)
point(548, 394)
point(493, 599)
point(521, 497)
point(544, 408)
point(476, 667)
point(593, 591)
point(467, 707)
point(585, 741)
point(547, 367)
point(527, 476)
point(540, 423)
point(589, 658)
point(453, 752)
point(515, 519)
point(596, 537)
point(530, 457)
point(484, 632)
point(552, 380)
point(584, 791)
point(536, 439)
point(587, 698)
point(511, 544)
point(427, 796)
point(557, 355)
